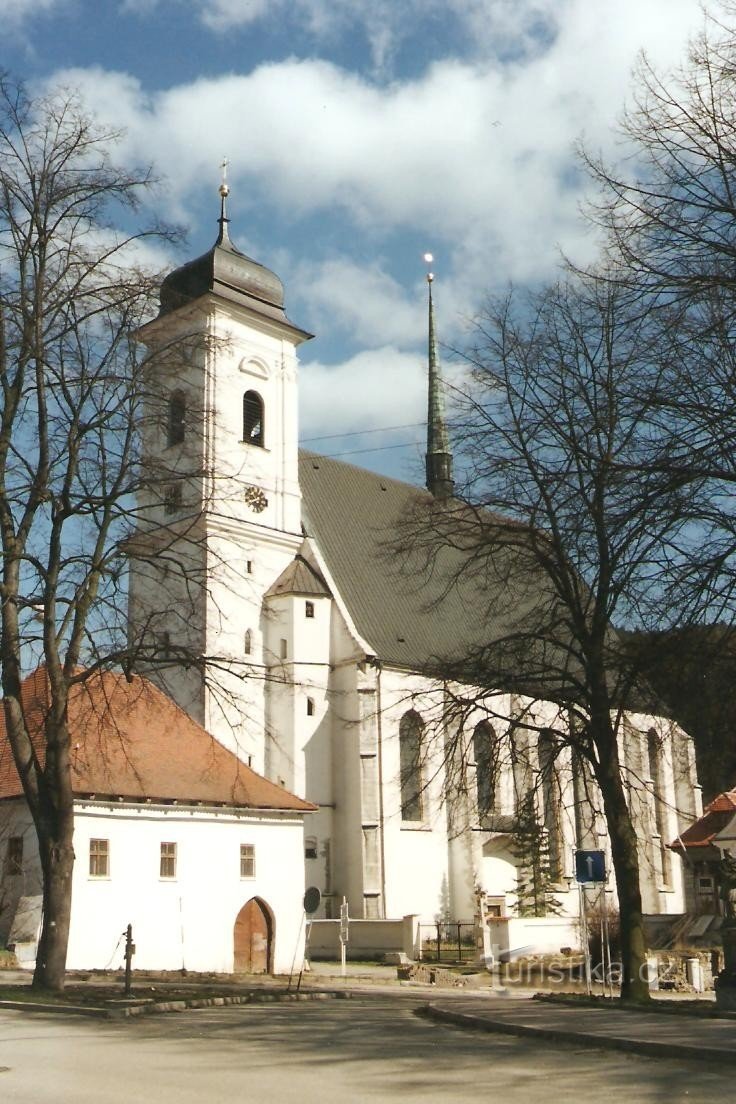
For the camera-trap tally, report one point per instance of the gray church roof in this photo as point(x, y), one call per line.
point(411, 613)
point(429, 607)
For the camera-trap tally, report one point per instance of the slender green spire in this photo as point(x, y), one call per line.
point(439, 457)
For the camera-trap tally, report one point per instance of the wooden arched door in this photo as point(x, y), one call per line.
point(253, 938)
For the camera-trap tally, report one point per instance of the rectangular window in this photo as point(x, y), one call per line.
point(173, 498)
point(99, 858)
point(284, 649)
point(167, 865)
point(247, 860)
point(309, 609)
point(14, 856)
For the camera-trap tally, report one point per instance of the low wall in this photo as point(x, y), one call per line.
point(516, 937)
point(366, 938)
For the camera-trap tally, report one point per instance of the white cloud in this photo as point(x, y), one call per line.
point(373, 389)
point(508, 29)
point(363, 301)
point(14, 13)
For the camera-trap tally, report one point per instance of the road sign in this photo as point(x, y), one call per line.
point(344, 922)
point(312, 899)
point(590, 866)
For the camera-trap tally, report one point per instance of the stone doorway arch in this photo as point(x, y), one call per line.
point(253, 938)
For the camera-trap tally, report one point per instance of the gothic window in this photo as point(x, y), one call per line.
point(177, 417)
point(654, 759)
point(253, 419)
point(411, 731)
point(248, 642)
point(485, 771)
point(551, 801)
point(310, 707)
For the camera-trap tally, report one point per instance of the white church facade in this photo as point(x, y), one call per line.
point(270, 565)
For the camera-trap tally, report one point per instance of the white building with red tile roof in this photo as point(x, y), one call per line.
point(173, 835)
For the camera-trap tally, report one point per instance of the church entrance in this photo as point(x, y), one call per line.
point(253, 938)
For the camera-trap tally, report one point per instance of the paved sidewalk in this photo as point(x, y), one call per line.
point(659, 1034)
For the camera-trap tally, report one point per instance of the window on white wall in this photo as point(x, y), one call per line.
point(310, 707)
point(253, 433)
point(284, 649)
point(99, 858)
point(247, 860)
point(411, 733)
point(14, 856)
point(484, 753)
point(167, 861)
point(248, 642)
point(177, 417)
point(309, 609)
point(173, 498)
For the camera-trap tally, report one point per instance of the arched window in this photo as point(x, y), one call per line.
point(253, 419)
point(248, 642)
point(547, 750)
point(411, 731)
point(484, 753)
point(177, 417)
point(654, 762)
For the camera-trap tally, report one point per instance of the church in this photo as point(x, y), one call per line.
point(312, 651)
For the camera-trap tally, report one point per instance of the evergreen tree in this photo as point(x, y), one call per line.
point(530, 847)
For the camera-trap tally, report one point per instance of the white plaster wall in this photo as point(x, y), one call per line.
point(417, 870)
point(187, 921)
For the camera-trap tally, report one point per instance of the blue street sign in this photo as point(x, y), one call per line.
point(590, 866)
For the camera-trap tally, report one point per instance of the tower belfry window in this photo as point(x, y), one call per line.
point(253, 419)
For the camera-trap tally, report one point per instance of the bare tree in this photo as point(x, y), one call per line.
point(561, 530)
point(668, 211)
point(71, 296)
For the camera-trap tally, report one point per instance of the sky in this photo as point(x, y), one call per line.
point(361, 134)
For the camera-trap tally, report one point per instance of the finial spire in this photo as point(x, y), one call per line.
point(224, 190)
point(439, 457)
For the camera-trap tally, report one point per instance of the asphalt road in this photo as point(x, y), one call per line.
point(372, 1050)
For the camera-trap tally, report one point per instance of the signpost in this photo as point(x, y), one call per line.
point(590, 869)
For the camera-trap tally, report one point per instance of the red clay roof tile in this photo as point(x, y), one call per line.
point(131, 741)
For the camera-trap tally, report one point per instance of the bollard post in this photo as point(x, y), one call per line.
point(129, 952)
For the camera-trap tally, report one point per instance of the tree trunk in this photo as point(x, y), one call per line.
point(57, 861)
point(624, 853)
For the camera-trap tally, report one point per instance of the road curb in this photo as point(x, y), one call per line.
point(652, 1048)
point(128, 1011)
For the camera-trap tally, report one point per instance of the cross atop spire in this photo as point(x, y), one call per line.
point(439, 457)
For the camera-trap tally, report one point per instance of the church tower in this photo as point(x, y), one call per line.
point(220, 509)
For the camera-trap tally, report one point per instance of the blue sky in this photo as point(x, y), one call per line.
point(360, 134)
